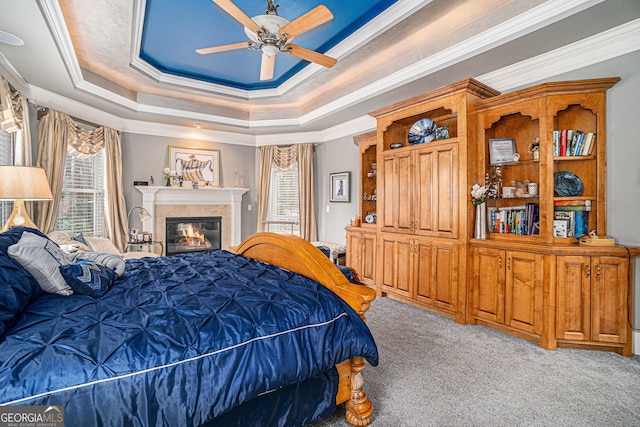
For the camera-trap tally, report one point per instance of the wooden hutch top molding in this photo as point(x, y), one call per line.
point(549, 89)
point(403, 108)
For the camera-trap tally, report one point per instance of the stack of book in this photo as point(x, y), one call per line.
point(520, 220)
point(571, 218)
point(570, 142)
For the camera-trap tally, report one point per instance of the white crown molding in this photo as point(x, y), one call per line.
point(184, 132)
point(609, 44)
point(9, 72)
point(48, 99)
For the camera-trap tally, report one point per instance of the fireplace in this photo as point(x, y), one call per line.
point(193, 234)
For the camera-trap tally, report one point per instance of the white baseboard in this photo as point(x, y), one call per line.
point(635, 338)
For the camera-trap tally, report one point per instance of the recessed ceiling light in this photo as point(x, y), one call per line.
point(198, 126)
point(9, 38)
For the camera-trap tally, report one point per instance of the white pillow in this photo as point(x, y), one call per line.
point(42, 258)
point(114, 262)
point(100, 244)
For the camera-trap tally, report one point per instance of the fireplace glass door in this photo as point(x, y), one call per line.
point(193, 234)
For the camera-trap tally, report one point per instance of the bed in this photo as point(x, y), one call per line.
point(253, 336)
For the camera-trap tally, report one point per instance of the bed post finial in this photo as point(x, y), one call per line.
point(359, 407)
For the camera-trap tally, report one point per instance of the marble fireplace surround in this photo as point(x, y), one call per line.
point(163, 202)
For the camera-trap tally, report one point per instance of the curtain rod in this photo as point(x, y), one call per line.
point(44, 110)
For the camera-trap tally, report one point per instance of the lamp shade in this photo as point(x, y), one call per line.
point(24, 182)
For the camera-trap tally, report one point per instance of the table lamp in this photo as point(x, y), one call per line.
point(144, 216)
point(20, 183)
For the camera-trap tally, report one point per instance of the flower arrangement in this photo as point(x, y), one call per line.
point(534, 147)
point(167, 173)
point(478, 194)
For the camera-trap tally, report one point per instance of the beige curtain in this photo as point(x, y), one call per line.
point(58, 134)
point(14, 117)
point(286, 158)
point(308, 229)
point(116, 212)
point(23, 154)
point(266, 160)
point(51, 154)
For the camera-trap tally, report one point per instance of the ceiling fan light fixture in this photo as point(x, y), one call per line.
point(269, 49)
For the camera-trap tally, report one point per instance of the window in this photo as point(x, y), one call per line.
point(284, 205)
point(82, 203)
point(6, 158)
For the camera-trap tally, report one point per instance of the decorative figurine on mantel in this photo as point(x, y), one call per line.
point(239, 179)
point(167, 176)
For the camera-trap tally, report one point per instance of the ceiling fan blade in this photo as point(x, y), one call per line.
point(222, 48)
point(310, 55)
point(315, 17)
point(238, 14)
point(267, 66)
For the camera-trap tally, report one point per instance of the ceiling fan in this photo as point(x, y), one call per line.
point(271, 33)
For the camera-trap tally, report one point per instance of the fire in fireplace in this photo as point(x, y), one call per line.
point(193, 234)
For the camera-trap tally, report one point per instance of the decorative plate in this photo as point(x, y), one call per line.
point(567, 184)
point(370, 218)
point(422, 131)
point(396, 145)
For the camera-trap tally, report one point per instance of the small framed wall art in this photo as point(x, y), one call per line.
point(196, 165)
point(502, 150)
point(340, 184)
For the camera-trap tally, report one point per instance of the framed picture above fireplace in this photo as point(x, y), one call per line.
point(201, 165)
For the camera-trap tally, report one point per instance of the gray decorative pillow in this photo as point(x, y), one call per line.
point(42, 258)
point(115, 263)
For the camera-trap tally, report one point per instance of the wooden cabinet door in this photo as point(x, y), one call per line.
point(368, 258)
point(489, 277)
point(609, 299)
point(354, 253)
point(435, 273)
point(436, 191)
point(396, 193)
point(523, 291)
point(573, 313)
point(396, 267)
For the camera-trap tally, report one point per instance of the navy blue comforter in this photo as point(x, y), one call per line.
point(177, 341)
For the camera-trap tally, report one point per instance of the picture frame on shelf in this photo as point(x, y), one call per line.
point(201, 165)
point(502, 150)
point(340, 184)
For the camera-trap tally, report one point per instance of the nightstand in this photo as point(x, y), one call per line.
point(144, 247)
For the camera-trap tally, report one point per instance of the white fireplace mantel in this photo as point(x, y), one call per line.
point(157, 195)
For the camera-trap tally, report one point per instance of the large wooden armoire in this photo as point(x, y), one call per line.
point(525, 278)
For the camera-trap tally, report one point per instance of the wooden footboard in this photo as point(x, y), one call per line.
point(296, 254)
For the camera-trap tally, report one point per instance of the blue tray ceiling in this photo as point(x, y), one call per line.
point(172, 31)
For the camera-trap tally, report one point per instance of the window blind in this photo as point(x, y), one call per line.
point(284, 204)
point(6, 158)
point(82, 203)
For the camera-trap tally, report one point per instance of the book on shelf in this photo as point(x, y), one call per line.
point(560, 227)
point(576, 212)
point(572, 142)
point(518, 220)
point(568, 217)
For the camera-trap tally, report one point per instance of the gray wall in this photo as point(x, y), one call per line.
point(339, 155)
point(144, 156)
